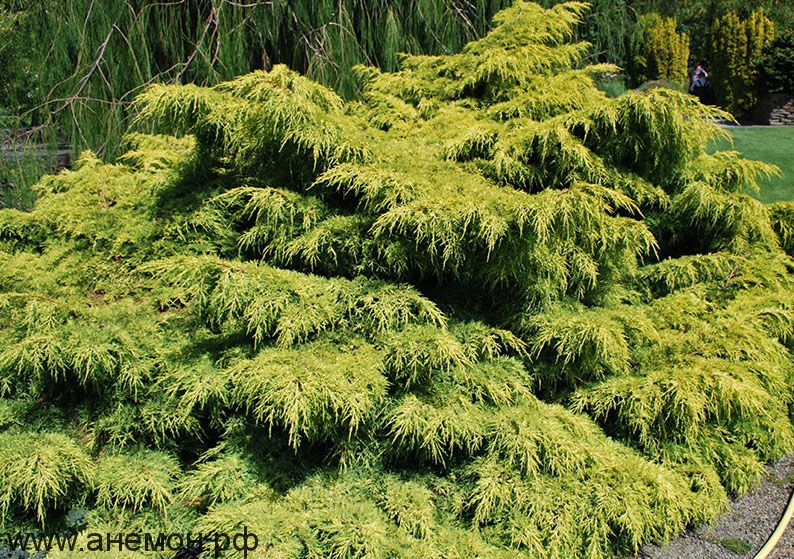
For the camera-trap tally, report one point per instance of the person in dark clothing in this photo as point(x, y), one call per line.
point(699, 76)
point(699, 84)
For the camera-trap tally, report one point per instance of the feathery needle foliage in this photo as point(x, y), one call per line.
point(483, 311)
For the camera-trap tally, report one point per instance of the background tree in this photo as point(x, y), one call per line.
point(606, 27)
point(83, 97)
point(736, 47)
point(776, 66)
point(94, 71)
point(661, 53)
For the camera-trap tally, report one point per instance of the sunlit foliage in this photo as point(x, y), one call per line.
point(486, 311)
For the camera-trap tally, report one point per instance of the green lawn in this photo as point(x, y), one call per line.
point(774, 144)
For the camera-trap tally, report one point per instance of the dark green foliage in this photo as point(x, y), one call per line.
point(783, 223)
point(94, 71)
point(776, 67)
point(18, 86)
point(485, 311)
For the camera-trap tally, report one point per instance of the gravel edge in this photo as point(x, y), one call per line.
point(744, 529)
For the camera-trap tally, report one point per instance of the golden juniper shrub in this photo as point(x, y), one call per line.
point(484, 311)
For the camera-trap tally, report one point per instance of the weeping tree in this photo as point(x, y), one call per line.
point(485, 311)
point(99, 55)
point(71, 70)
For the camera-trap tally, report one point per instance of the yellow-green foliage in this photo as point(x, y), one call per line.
point(133, 481)
point(40, 471)
point(666, 50)
point(736, 45)
point(484, 311)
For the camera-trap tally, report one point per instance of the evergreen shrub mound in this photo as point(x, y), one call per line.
point(485, 311)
